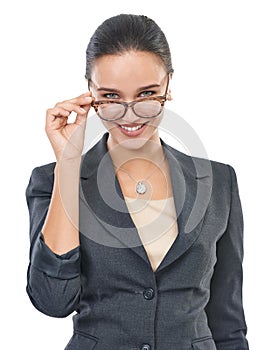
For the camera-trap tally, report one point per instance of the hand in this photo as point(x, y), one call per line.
point(67, 139)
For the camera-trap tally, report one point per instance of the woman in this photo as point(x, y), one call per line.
point(136, 275)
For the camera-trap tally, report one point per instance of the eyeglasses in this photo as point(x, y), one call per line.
point(146, 107)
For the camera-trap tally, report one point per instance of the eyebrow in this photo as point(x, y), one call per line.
point(140, 89)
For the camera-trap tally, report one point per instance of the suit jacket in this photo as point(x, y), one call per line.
point(194, 298)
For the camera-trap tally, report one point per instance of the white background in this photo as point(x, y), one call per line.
point(221, 86)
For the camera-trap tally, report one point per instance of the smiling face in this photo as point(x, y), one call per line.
point(128, 77)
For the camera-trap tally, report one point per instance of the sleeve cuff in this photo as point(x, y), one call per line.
point(65, 266)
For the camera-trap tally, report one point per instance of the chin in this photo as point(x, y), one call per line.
point(133, 143)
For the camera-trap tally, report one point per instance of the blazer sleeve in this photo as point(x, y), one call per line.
point(53, 281)
point(225, 308)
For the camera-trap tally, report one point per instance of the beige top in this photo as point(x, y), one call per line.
point(155, 220)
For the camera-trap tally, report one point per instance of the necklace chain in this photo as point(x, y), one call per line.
point(141, 187)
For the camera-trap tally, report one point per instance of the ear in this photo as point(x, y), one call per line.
point(169, 95)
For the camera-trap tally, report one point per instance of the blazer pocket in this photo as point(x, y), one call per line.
point(203, 344)
point(80, 341)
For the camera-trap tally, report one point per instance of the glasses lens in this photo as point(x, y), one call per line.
point(147, 109)
point(110, 111)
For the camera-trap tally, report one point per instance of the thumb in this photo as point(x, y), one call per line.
point(82, 118)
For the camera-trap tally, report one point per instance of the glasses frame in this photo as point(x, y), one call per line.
point(162, 99)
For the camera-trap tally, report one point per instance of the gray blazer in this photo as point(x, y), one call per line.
point(194, 298)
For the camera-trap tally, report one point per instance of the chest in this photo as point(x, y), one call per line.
point(153, 213)
point(156, 224)
point(157, 249)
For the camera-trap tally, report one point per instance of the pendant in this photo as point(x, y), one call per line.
point(140, 188)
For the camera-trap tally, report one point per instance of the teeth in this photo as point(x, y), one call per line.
point(131, 129)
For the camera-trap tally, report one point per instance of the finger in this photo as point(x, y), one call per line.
point(88, 93)
point(53, 113)
point(86, 108)
point(81, 119)
point(55, 123)
point(71, 107)
point(83, 100)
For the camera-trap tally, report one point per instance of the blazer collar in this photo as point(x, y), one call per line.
point(101, 197)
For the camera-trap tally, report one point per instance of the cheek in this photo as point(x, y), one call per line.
point(155, 122)
point(108, 125)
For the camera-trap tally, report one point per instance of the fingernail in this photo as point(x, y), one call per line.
point(88, 98)
point(82, 109)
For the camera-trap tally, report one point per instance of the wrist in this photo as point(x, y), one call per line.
point(68, 166)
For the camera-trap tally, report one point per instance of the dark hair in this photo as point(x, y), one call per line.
point(127, 32)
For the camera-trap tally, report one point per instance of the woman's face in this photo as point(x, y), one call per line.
point(125, 78)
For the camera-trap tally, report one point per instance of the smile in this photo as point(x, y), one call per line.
point(134, 128)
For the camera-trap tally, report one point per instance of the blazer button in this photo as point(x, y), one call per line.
point(146, 347)
point(148, 294)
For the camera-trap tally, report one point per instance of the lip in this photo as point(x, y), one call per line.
point(132, 133)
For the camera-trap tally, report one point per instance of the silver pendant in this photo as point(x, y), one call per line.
point(140, 188)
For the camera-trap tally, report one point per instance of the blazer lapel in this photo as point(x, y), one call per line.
point(102, 201)
point(101, 195)
point(192, 184)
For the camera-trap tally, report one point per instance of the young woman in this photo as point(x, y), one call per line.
point(109, 229)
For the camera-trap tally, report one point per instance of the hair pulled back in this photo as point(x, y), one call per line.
point(126, 32)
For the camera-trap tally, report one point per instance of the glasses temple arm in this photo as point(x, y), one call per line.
point(166, 90)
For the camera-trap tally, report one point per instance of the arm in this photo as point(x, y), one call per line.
point(225, 307)
point(60, 229)
point(53, 280)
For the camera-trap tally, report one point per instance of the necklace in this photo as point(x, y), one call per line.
point(141, 187)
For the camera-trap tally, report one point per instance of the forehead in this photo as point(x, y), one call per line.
point(127, 69)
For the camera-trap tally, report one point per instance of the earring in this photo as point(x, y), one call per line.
point(169, 96)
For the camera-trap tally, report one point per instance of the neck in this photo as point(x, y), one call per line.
point(137, 160)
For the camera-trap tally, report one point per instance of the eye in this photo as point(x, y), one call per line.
point(147, 93)
point(111, 96)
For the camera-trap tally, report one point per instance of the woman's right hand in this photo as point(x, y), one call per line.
point(67, 139)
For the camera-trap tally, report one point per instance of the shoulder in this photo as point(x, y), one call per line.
point(221, 174)
point(41, 180)
point(45, 172)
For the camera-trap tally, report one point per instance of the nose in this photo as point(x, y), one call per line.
point(130, 116)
